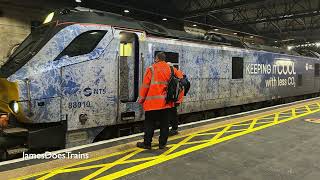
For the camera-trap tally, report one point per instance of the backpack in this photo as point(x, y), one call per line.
point(174, 87)
point(186, 84)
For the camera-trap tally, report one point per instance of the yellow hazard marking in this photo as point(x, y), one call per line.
point(253, 123)
point(177, 149)
point(307, 107)
point(276, 117)
point(78, 163)
point(106, 167)
point(293, 111)
point(221, 133)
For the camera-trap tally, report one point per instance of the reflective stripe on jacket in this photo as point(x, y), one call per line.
point(153, 90)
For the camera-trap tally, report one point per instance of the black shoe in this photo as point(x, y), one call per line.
point(143, 146)
point(173, 132)
point(162, 146)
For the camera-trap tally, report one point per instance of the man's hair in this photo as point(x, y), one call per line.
point(161, 56)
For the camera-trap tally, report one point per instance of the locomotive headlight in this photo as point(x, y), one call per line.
point(14, 106)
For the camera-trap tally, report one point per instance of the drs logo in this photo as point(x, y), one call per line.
point(74, 105)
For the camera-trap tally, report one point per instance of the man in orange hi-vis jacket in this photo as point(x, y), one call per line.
point(153, 99)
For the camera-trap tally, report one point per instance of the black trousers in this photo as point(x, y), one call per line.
point(173, 118)
point(151, 117)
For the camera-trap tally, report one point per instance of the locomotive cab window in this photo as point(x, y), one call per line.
point(83, 44)
point(171, 57)
point(237, 68)
point(316, 70)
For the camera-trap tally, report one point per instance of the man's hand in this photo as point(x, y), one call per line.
point(140, 101)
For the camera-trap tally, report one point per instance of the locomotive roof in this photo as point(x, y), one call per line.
point(84, 15)
point(100, 17)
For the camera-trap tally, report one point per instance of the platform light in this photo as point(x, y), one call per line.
point(78, 1)
point(251, 36)
point(164, 19)
point(48, 18)
point(194, 25)
point(275, 41)
point(284, 40)
point(235, 33)
point(216, 29)
point(318, 44)
point(126, 11)
point(289, 48)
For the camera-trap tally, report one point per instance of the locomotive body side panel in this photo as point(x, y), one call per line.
point(209, 69)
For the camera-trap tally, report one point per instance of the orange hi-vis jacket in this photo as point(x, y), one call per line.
point(153, 91)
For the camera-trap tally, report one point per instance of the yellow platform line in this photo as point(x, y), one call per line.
point(68, 170)
point(285, 115)
point(205, 134)
point(139, 160)
point(50, 175)
point(293, 112)
point(276, 118)
point(235, 130)
point(266, 122)
point(301, 110)
point(269, 118)
point(280, 116)
point(177, 145)
point(78, 163)
point(192, 149)
point(253, 123)
point(307, 107)
point(96, 173)
point(196, 142)
point(221, 133)
point(107, 164)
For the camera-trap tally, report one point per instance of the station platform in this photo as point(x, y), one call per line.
point(280, 142)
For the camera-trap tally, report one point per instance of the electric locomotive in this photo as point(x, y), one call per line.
point(76, 78)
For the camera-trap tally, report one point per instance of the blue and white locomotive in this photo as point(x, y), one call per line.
point(78, 76)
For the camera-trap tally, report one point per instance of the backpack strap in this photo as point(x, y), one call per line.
point(172, 71)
